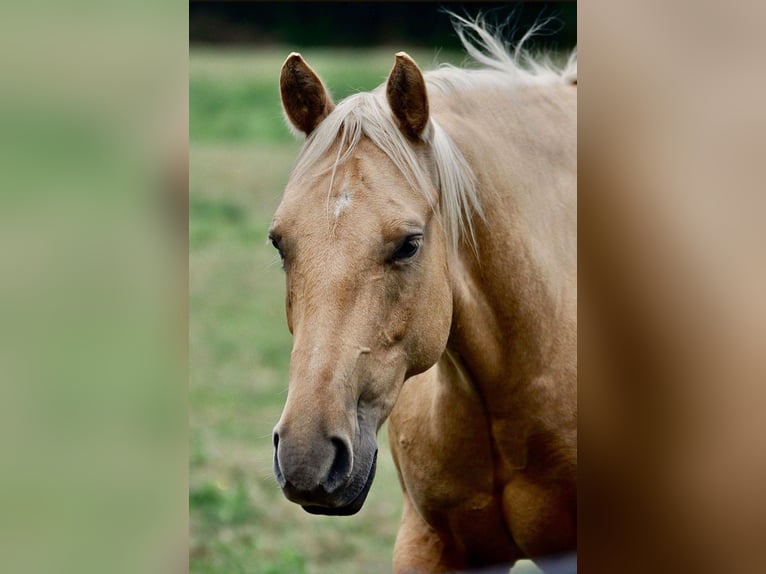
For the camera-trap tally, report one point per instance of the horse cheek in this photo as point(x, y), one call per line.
point(431, 334)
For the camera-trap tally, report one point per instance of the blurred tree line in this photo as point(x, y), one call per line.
point(302, 24)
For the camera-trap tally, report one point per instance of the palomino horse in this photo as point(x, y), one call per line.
point(428, 238)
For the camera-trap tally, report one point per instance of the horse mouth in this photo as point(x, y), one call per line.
point(351, 507)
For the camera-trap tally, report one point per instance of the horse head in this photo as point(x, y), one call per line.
point(368, 294)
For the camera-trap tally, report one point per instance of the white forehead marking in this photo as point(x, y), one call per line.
point(344, 200)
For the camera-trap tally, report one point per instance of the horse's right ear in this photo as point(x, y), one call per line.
point(304, 97)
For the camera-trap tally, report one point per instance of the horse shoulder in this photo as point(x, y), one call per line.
point(440, 442)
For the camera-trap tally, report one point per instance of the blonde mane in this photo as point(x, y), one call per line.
point(368, 114)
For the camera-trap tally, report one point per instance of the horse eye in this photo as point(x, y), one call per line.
point(275, 243)
point(409, 248)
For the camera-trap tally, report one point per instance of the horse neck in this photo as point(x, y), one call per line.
point(514, 315)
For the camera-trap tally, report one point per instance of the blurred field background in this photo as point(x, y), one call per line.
point(240, 156)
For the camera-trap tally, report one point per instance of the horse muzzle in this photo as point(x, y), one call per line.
point(324, 477)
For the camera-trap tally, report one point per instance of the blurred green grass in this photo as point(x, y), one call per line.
point(239, 346)
point(240, 156)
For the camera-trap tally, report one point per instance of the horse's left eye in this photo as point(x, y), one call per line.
point(408, 248)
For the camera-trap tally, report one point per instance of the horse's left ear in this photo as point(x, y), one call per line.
point(407, 97)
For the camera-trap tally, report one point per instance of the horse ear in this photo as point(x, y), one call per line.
point(406, 94)
point(304, 97)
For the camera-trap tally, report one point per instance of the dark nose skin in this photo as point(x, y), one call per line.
point(305, 468)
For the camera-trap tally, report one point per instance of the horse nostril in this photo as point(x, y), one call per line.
point(277, 470)
point(341, 465)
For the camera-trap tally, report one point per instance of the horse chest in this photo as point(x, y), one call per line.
point(441, 446)
point(462, 482)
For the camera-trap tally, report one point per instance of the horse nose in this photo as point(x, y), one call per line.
point(305, 466)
